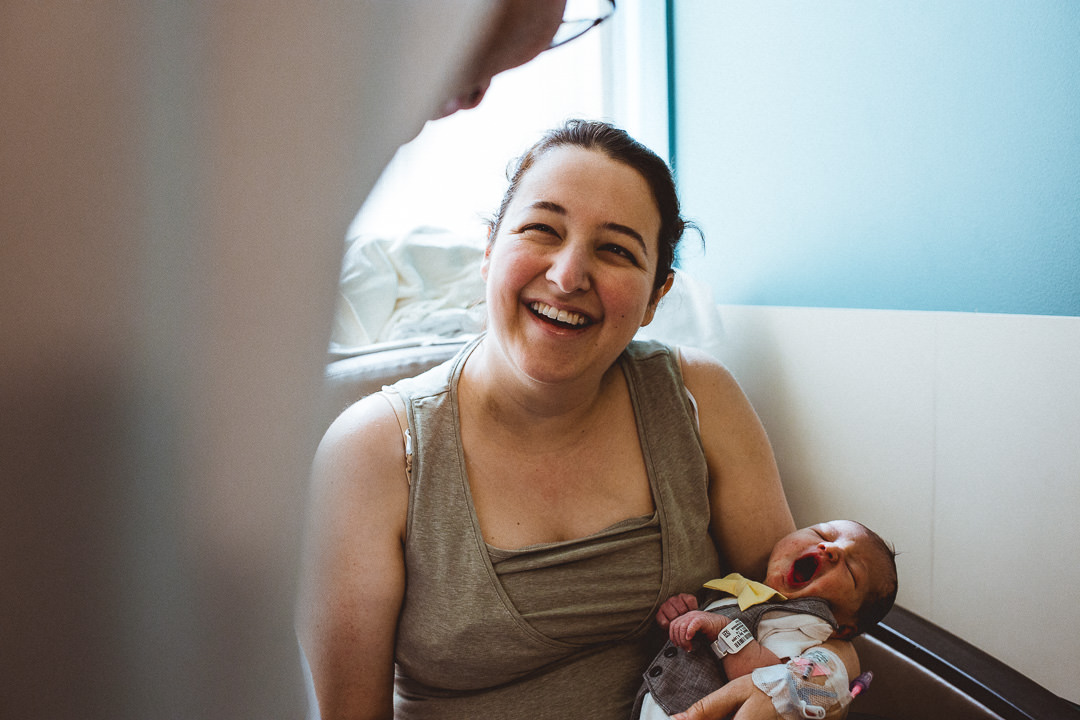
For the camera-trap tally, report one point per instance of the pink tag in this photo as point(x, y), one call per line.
point(809, 668)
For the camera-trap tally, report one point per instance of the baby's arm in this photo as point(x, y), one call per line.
point(680, 616)
point(780, 636)
point(683, 621)
point(752, 656)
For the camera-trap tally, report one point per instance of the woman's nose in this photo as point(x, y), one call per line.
point(570, 268)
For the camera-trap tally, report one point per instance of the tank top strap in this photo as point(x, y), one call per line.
point(675, 461)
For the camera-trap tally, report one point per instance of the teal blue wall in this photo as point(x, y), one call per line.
point(882, 154)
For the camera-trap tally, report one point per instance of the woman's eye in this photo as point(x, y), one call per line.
point(538, 227)
point(620, 251)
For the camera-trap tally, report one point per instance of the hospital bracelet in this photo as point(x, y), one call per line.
point(733, 638)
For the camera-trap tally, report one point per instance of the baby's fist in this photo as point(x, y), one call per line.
point(675, 606)
point(686, 626)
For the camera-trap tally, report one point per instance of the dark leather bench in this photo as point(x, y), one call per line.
point(923, 671)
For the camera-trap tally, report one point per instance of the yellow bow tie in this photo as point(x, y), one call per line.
point(746, 591)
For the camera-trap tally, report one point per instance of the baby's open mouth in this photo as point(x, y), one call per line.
point(563, 318)
point(803, 570)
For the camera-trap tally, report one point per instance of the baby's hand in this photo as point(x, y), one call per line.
point(673, 607)
point(686, 626)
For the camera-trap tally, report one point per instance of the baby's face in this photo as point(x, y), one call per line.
point(837, 561)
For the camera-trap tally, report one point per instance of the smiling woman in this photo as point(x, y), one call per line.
point(560, 484)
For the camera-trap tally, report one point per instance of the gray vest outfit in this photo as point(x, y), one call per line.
point(553, 631)
point(677, 679)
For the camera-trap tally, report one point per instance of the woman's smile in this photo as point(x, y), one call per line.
point(560, 318)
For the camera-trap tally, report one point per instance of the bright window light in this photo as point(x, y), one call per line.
point(453, 175)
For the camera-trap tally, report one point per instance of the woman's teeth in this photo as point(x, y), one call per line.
point(563, 316)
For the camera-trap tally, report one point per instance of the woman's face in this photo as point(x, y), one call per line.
point(570, 273)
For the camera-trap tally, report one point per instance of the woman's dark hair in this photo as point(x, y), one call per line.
point(619, 146)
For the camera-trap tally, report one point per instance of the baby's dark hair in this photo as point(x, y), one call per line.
point(877, 604)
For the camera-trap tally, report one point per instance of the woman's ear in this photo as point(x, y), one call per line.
point(487, 254)
point(661, 291)
point(485, 262)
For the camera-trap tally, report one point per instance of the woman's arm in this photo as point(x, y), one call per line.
point(749, 510)
point(751, 703)
point(739, 695)
point(353, 570)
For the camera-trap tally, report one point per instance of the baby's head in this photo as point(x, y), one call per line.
point(842, 562)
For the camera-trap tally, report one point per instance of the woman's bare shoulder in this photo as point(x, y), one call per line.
point(362, 455)
point(704, 375)
point(367, 424)
point(727, 420)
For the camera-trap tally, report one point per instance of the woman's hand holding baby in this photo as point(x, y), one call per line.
point(739, 696)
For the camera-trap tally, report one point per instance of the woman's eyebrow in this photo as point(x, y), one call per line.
point(549, 206)
point(613, 226)
point(629, 232)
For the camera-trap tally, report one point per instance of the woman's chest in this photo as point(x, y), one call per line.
point(526, 493)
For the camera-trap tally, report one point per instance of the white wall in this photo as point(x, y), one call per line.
point(954, 435)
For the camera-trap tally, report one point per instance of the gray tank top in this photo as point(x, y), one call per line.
point(553, 631)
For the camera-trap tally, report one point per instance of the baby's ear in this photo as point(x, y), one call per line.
point(846, 631)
